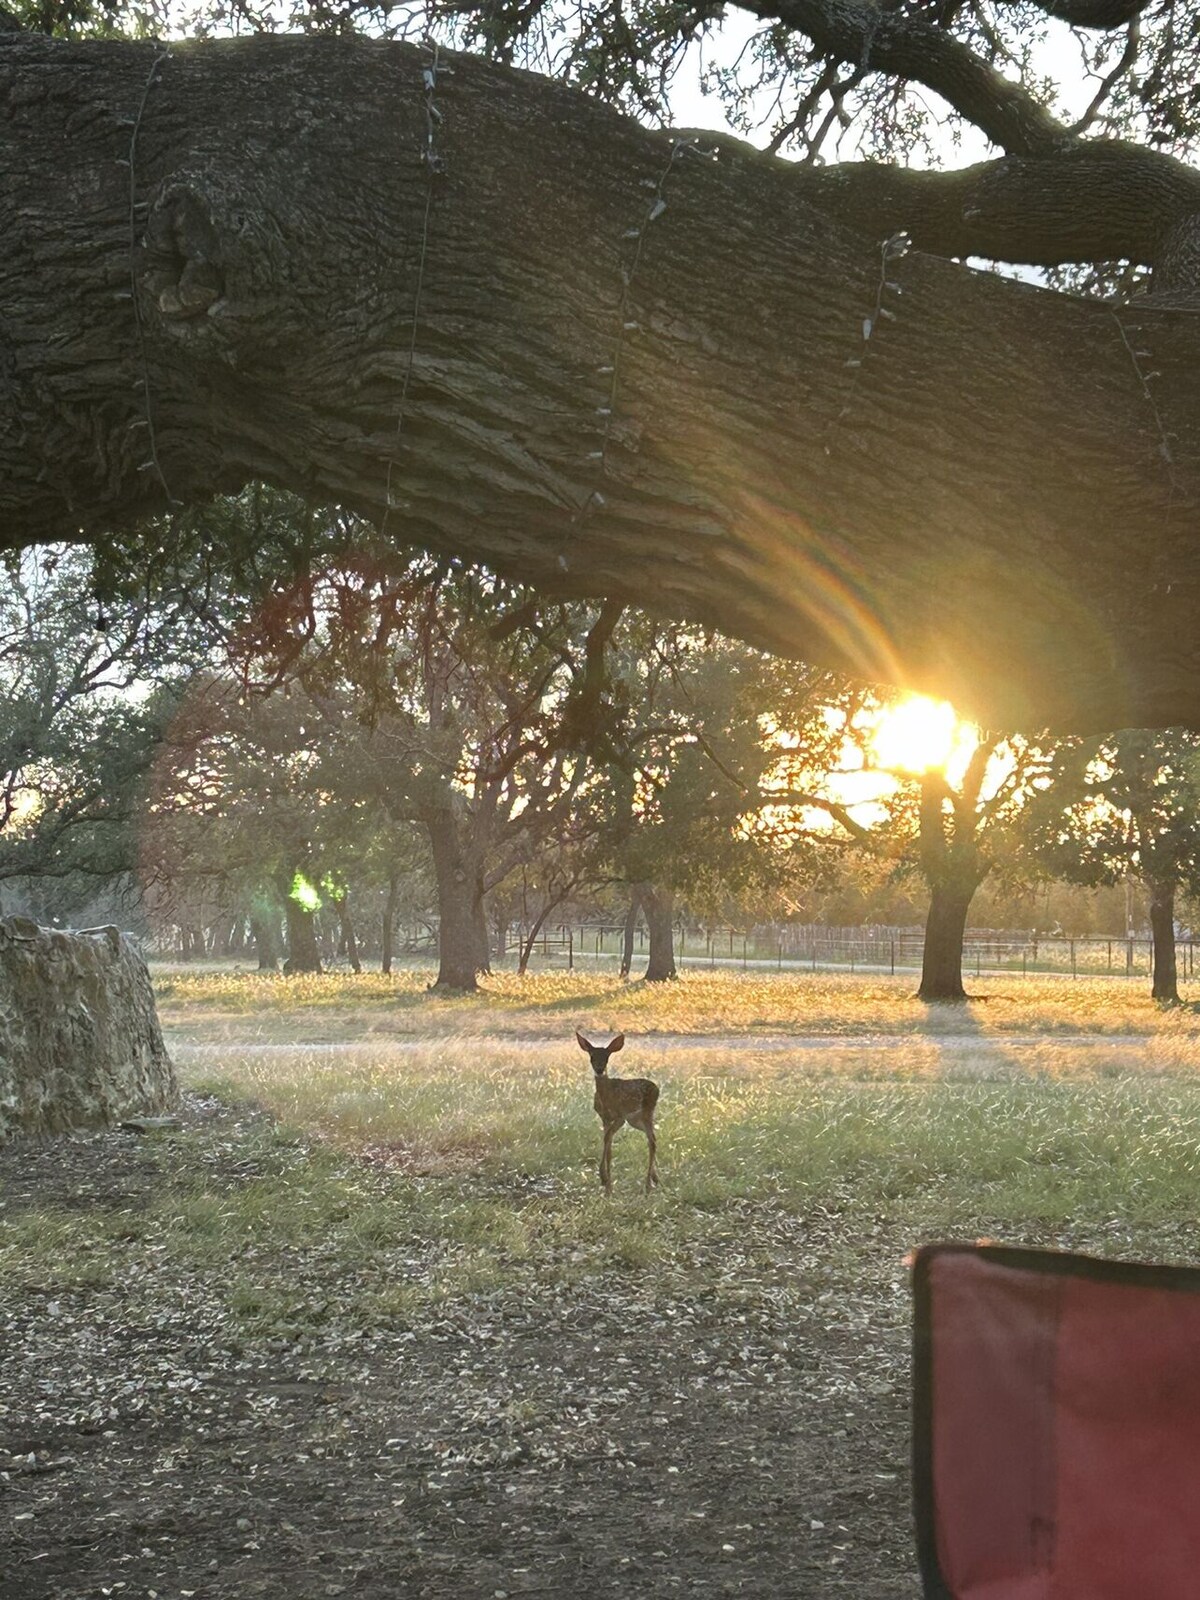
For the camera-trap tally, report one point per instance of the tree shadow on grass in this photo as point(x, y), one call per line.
point(573, 1002)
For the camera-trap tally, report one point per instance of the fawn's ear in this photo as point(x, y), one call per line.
point(583, 1044)
point(617, 1044)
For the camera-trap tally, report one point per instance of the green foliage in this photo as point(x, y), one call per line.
point(686, 785)
point(1127, 803)
point(84, 19)
point(88, 689)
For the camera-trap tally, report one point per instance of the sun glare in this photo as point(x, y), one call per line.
point(921, 735)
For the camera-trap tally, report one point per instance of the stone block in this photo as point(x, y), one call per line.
point(80, 1043)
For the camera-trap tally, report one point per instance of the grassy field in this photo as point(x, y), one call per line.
point(339, 1006)
point(1046, 1106)
point(373, 1182)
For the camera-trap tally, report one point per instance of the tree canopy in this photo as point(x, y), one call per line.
point(504, 320)
point(1127, 806)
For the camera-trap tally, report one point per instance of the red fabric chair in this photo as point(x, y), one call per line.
point(1056, 1426)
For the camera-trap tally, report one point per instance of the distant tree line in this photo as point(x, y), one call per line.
point(307, 734)
point(326, 736)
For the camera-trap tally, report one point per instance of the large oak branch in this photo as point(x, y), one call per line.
point(1101, 14)
point(990, 496)
point(1095, 201)
point(910, 46)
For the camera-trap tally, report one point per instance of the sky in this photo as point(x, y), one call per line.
point(691, 108)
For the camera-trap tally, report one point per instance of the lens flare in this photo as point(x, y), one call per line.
point(919, 735)
point(304, 894)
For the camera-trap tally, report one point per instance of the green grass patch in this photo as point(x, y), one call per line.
point(438, 1183)
point(388, 1180)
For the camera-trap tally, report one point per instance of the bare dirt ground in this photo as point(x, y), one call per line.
point(620, 1436)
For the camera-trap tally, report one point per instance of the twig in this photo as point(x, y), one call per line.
point(1108, 83)
point(1143, 377)
point(890, 249)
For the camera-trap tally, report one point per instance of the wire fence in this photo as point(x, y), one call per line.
point(787, 948)
point(782, 947)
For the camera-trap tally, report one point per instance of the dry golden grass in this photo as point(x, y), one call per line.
point(339, 1006)
point(1050, 1112)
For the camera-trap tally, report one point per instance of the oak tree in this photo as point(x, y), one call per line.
point(505, 320)
point(1128, 805)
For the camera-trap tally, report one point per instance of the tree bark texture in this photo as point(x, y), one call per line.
point(388, 932)
point(266, 942)
point(941, 959)
point(659, 907)
point(953, 863)
point(80, 1043)
point(1165, 981)
point(462, 927)
point(348, 939)
point(303, 952)
point(556, 342)
point(629, 932)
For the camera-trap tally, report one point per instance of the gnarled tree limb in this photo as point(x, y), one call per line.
point(896, 466)
point(1094, 202)
point(1100, 14)
point(907, 45)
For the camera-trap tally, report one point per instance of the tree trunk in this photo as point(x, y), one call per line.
point(660, 920)
point(80, 1044)
point(389, 922)
point(303, 953)
point(483, 941)
point(348, 944)
point(462, 929)
point(266, 941)
point(941, 962)
point(783, 447)
point(631, 921)
point(1165, 984)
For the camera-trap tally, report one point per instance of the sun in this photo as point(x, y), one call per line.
point(921, 735)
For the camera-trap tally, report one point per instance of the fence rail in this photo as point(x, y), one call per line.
point(882, 950)
point(788, 947)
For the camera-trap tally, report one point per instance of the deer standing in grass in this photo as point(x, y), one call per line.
point(619, 1101)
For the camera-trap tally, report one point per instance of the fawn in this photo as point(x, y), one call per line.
point(619, 1101)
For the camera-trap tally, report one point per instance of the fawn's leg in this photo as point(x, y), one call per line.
point(606, 1161)
point(651, 1169)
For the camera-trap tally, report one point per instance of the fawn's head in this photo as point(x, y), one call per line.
point(598, 1054)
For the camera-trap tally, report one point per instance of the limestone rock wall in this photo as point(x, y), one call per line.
point(80, 1044)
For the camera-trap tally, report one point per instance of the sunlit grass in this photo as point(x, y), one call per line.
point(982, 1139)
point(247, 1006)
